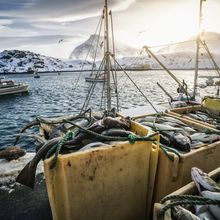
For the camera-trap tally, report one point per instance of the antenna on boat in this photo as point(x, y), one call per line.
point(197, 50)
point(107, 58)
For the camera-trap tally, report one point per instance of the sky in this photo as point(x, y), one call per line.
point(39, 25)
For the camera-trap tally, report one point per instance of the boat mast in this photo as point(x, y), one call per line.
point(197, 50)
point(107, 58)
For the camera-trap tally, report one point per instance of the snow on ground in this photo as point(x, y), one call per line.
point(16, 61)
point(10, 169)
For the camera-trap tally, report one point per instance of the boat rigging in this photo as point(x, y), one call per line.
point(108, 66)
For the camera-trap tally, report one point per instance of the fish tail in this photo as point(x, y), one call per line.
point(29, 125)
point(27, 176)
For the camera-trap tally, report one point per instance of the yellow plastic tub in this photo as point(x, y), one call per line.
point(188, 189)
point(212, 104)
point(173, 174)
point(107, 183)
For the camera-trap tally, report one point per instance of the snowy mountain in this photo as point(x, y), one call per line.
point(212, 40)
point(15, 61)
point(180, 56)
point(81, 51)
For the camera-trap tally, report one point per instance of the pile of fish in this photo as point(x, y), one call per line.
point(205, 116)
point(176, 134)
point(207, 188)
point(88, 133)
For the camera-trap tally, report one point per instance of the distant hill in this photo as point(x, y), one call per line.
point(15, 61)
point(180, 56)
point(212, 40)
point(81, 51)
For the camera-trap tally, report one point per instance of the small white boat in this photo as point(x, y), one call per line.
point(92, 79)
point(9, 87)
point(36, 76)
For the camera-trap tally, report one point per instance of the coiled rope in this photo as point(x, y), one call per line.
point(186, 200)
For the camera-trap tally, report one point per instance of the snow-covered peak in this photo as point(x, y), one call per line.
point(80, 52)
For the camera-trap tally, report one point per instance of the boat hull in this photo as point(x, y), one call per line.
point(14, 89)
point(91, 79)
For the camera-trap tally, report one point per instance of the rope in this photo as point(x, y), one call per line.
point(71, 118)
point(92, 87)
point(134, 59)
point(137, 87)
point(68, 136)
point(183, 197)
point(100, 29)
point(100, 21)
point(189, 201)
point(166, 149)
point(131, 137)
point(170, 44)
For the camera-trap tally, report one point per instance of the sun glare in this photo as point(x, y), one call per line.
point(167, 22)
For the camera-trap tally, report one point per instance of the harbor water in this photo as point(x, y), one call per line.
point(55, 95)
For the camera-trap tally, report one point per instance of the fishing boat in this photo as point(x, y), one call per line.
point(9, 87)
point(187, 96)
point(36, 75)
point(101, 78)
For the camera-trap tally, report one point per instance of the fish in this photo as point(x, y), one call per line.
point(92, 145)
point(110, 122)
point(27, 175)
point(173, 124)
point(206, 138)
point(29, 125)
point(174, 120)
point(96, 127)
point(178, 141)
point(215, 209)
point(202, 116)
point(196, 144)
point(203, 181)
point(194, 116)
point(149, 119)
point(189, 129)
point(37, 138)
point(12, 153)
point(116, 132)
point(57, 131)
point(180, 213)
point(161, 127)
point(202, 211)
point(99, 126)
point(165, 140)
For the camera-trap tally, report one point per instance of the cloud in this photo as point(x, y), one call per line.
point(37, 40)
point(57, 9)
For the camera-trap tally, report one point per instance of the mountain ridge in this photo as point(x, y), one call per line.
point(80, 51)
